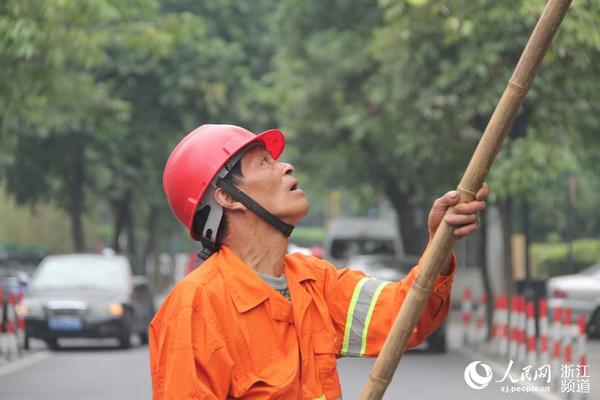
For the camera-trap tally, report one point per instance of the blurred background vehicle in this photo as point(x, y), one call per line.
point(294, 248)
point(581, 293)
point(89, 296)
point(389, 267)
point(17, 263)
point(382, 266)
point(347, 237)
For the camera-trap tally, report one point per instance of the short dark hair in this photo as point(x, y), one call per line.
point(201, 215)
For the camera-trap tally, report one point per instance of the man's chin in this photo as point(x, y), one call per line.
point(298, 216)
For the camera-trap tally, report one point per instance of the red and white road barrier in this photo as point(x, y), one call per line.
point(530, 332)
point(500, 326)
point(582, 359)
point(13, 332)
point(10, 344)
point(557, 316)
point(514, 327)
point(517, 329)
point(10, 314)
point(20, 322)
point(567, 333)
point(517, 347)
point(522, 348)
point(581, 342)
point(562, 340)
point(514, 335)
point(543, 332)
point(466, 307)
point(3, 348)
point(479, 329)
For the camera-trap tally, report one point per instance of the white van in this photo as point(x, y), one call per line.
point(348, 237)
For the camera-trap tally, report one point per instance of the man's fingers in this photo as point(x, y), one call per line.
point(470, 207)
point(482, 193)
point(464, 218)
point(451, 198)
point(460, 219)
point(447, 200)
point(465, 230)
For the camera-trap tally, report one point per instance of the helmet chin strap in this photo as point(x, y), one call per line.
point(208, 236)
point(256, 208)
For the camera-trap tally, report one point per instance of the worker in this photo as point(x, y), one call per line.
point(254, 322)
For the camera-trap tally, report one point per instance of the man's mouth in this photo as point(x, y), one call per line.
point(294, 187)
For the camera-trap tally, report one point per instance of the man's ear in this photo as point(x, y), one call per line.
point(226, 201)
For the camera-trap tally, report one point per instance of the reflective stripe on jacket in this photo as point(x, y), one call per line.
point(225, 333)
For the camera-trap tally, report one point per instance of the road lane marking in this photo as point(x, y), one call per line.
point(25, 362)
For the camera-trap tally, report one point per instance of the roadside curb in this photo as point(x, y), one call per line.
point(23, 362)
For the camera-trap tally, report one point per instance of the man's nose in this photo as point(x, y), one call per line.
point(288, 169)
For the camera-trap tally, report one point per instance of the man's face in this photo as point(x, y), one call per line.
point(271, 184)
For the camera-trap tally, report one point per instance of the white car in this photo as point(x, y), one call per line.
point(294, 248)
point(581, 293)
point(349, 237)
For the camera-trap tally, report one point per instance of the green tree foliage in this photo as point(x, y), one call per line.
point(378, 98)
point(187, 66)
point(97, 93)
point(52, 106)
point(403, 90)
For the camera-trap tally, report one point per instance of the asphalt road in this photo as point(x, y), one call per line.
point(422, 375)
point(90, 370)
point(87, 370)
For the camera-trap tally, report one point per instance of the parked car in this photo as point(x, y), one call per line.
point(391, 268)
point(381, 266)
point(347, 237)
point(294, 248)
point(581, 293)
point(17, 263)
point(20, 261)
point(87, 295)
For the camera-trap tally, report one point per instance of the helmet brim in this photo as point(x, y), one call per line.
point(273, 140)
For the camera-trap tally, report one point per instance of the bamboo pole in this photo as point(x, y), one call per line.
point(438, 251)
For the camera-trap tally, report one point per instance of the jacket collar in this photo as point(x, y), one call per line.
point(248, 290)
point(298, 268)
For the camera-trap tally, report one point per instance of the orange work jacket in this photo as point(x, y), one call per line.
point(225, 333)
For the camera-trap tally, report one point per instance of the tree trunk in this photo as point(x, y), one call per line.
point(505, 208)
point(151, 238)
point(571, 221)
point(130, 249)
point(119, 223)
point(414, 237)
point(122, 221)
point(485, 276)
point(77, 199)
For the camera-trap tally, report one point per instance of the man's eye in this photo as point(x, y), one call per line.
point(265, 160)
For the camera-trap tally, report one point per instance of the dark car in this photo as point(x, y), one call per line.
point(391, 268)
point(87, 296)
point(17, 263)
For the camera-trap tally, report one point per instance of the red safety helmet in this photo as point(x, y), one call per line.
point(199, 158)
